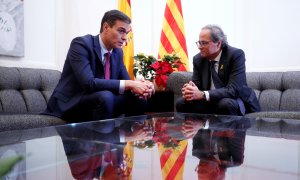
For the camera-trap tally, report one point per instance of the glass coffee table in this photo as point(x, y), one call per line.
point(157, 146)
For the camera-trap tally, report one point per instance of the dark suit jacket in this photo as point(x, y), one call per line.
point(225, 138)
point(83, 73)
point(232, 72)
point(85, 146)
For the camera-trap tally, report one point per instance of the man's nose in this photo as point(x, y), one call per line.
point(124, 37)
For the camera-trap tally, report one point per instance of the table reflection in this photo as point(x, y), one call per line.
point(219, 146)
point(104, 150)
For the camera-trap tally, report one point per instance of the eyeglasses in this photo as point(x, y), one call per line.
point(202, 43)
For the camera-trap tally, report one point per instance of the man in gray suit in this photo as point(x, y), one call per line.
point(218, 84)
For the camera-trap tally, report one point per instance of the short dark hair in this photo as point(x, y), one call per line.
point(217, 34)
point(110, 17)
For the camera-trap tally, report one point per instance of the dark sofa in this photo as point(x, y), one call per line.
point(278, 93)
point(24, 93)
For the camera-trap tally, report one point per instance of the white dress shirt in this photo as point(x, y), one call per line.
point(212, 86)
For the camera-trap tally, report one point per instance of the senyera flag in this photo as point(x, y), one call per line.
point(172, 39)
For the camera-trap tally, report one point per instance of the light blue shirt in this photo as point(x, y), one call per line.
point(103, 52)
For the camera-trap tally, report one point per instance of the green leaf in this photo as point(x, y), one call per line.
point(7, 164)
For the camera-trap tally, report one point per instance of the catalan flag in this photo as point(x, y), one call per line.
point(125, 7)
point(172, 39)
point(172, 160)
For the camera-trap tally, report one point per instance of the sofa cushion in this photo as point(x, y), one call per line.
point(12, 101)
point(269, 99)
point(291, 80)
point(26, 90)
point(276, 91)
point(290, 100)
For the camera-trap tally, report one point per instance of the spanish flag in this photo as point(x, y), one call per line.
point(125, 7)
point(172, 39)
point(128, 155)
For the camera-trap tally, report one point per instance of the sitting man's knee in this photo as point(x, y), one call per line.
point(105, 96)
point(104, 101)
point(180, 105)
point(228, 106)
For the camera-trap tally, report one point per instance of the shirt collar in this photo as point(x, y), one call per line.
point(103, 48)
point(218, 57)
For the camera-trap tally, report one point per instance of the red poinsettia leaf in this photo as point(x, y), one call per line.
point(166, 67)
point(156, 65)
point(163, 79)
point(159, 80)
point(164, 138)
point(159, 72)
point(155, 138)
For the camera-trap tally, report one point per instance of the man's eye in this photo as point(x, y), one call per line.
point(122, 31)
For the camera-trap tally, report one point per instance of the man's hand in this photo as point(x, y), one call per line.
point(151, 89)
point(190, 128)
point(191, 92)
point(142, 88)
point(139, 132)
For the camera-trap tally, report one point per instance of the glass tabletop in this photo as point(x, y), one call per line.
point(157, 146)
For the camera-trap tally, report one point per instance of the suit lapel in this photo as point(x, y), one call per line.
point(97, 47)
point(207, 78)
point(99, 71)
point(222, 65)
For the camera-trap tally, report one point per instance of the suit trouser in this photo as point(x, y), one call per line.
point(225, 106)
point(105, 105)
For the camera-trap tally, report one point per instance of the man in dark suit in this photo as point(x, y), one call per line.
point(93, 152)
point(218, 84)
point(95, 83)
point(220, 146)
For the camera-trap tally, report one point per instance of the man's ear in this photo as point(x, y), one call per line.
point(219, 44)
point(105, 26)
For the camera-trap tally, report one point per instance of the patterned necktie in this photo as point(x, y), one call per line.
point(107, 65)
point(217, 81)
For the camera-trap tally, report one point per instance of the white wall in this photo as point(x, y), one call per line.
point(39, 36)
point(266, 30)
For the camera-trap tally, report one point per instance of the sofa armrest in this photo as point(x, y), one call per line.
point(176, 81)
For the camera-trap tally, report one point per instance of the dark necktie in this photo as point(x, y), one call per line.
point(218, 84)
point(107, 65)
point(217, 81)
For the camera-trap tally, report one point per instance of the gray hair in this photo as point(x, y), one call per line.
point(217, 34)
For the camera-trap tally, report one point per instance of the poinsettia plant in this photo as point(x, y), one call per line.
point(157, 69)
point(142, 66)
point(164, 67)
point(160, 136)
